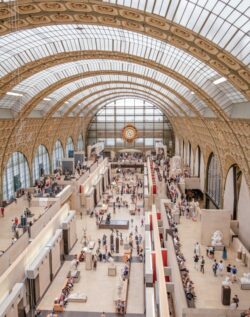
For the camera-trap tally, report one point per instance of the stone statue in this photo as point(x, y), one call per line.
point(216, 239)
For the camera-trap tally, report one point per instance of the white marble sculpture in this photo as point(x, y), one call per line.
point(216, 239)
point(227, 281)
point(245, 279)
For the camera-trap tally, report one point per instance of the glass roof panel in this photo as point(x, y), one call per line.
point(81, 104)
point(16, 49)
point(117, 96)
point(81, 83)
point(213, 19)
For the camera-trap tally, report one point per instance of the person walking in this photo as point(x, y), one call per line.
point(197, 248)
point(103, 314)
point(215, 267)
point(221, 267)
point(196, 260)
point(229, 268)
point(136, 229)
point(235, 302)
point(234, 274)
point(202, 265)
point(224, 254)
point(2, 211)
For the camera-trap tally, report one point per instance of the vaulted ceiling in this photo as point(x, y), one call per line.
point(63, 60)
point(58, 57)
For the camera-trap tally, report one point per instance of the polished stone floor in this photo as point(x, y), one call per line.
point(11, 211)
point(97, 285)
point(208, 287)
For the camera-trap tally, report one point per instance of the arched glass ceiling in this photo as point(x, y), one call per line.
point(224, 22)
point(19, 48)
point(33, 85)
point(152, 88)
point(103, 90)
point(109, 90)
point(103, 98)
point(110, 87)
point(44, 79)
point(67, 89)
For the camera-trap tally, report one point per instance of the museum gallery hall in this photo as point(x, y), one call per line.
point(124, 158)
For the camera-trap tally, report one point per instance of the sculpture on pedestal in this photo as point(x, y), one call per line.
point(216, 239)
point(108, 218)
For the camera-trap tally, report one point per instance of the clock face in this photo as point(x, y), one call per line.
point(129, 133)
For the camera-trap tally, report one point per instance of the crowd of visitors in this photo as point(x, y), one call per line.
point(188, 284)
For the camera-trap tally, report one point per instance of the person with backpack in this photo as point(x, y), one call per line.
point(236, 300)
point(234, 274)
point(215, 267)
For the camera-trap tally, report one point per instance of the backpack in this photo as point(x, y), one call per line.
point(234, 270)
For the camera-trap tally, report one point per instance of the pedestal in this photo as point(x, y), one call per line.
point(88, 261)
point(225, 295)
point(176, 217)
point(244, 258)
point(126, 246)
point(111, 239)
point(112, 271)
point(239, 255)
point(117, 245)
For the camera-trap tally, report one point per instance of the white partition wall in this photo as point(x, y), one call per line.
point(244, 213)
point(90, 199)
point(44, 274)
point(69, 228)
point(55, 251)
point(9, 305)
point(39, 272)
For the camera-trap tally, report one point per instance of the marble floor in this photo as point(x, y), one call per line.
point(207, 286)
point(11, 211)
point(96, 284)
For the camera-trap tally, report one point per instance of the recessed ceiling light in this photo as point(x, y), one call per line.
point(46, 99)
point(11, 93)
point(220, 80)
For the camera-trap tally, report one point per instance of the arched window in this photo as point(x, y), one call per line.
point(69, 147)
point(213, 183)
point(57, 154)
point(232, 190)
point(16, 175)
point(189, 154)
point(197, 166)
point(150, 122)
point(80, 145)
point(41, 164)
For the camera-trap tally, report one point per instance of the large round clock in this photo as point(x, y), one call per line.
point(129, 133)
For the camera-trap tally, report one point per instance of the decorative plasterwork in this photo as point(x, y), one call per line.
point(29, 15)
